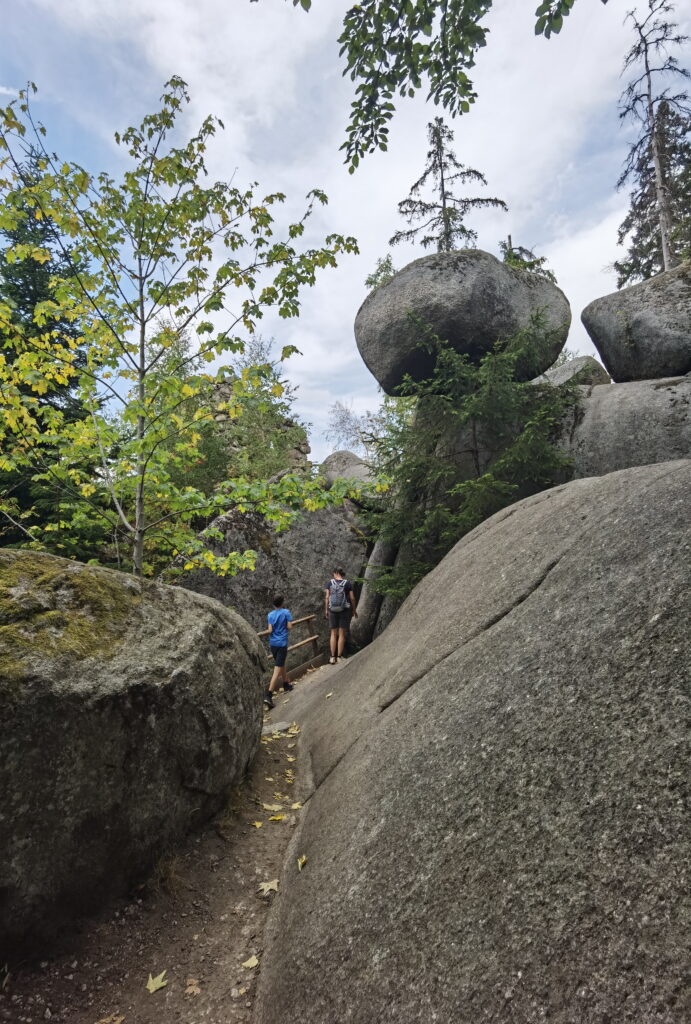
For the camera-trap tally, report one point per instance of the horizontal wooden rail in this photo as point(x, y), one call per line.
point(309, 640)
point(295, 622)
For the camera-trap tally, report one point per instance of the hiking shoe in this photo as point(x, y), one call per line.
point(287, 687)
point(332, 661)
point(268, 700)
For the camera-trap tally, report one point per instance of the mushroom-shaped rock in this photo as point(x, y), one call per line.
point(469, 299)
point(644, 332)
point(345, 465)
point(129, 710)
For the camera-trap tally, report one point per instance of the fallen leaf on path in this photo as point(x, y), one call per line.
point(251, 963)
point(267, 887)
point(295, 807)
point(269, 778)
point(329, 695)
point(289, 758)
point(153, 984)
point(193, 988)
point(294, 729)
point(271, 807)
point(280, 796)
point(290, 746)
point(258, 824)
point(242, 991)
point(301, 862)
point(277, 817)
point(113, 1019)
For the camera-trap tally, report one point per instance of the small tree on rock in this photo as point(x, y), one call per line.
point(444, 214)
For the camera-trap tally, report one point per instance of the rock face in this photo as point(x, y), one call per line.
point(344, 464)
point(129, 710)
point(581, 370)
point(295, 564)
point(644, 331)
point(498, 830)
point(636, 424)
point(469, 298)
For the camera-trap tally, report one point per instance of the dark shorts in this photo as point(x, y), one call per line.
point(339, 620)
point(279, 655)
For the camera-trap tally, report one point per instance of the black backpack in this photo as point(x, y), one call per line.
point(338, 598)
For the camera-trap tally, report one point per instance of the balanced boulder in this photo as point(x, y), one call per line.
point(581, 370)
point(129, 711)
point(644, 331)
point(498, 826)
point(469, 299)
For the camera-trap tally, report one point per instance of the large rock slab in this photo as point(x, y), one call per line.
point(644, 331)
point(581, 370)
point(129, 711)
point(295, 563)
point(616, 426)
point(498, 827)
point(470, 299)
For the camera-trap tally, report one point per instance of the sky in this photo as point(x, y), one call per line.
point(544, 131)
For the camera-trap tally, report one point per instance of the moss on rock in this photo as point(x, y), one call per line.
point(51, 607)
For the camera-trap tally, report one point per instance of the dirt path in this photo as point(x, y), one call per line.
point(200, 918)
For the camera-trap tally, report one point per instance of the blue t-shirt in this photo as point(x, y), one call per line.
point(278, 619)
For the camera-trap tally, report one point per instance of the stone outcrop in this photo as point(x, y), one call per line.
point(295, 564)
point(470, 299)
point(129, 711)
point(644, 331)
point(497, 829)
point(581, 370)
point(616, 426)
point(345, 465)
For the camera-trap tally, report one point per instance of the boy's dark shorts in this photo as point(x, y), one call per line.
point(279, 655)
point(339, 620)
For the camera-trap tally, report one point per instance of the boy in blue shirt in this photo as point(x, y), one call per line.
point(280, 622)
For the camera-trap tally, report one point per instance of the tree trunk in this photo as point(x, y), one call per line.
point(661, 197)
point(139, 523)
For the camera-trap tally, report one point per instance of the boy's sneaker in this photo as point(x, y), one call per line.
point(288, 687)
point(332, 661)
point(268, 699)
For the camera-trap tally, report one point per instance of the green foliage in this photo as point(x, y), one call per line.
point(520, 258)
point(659, 159)
point(444, 214)
point(383, 272)
point(392, 46)
point(151, 258)
point(479, 440)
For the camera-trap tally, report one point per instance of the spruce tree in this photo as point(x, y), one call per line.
point(658, 160)
point(443, 214)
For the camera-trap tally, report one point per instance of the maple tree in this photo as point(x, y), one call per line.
point(155, 255)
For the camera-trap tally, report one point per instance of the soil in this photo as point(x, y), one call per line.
point(199, 918)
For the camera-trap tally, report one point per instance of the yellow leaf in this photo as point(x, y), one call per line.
point(266, 887)
point(301, 862)
point(280, 796)
point(251, 963)
point(114, 1018)
point(153, 984)
point(294, 729)
point(277, 817)
point(289, 758)
point(258, 824)
point(329, 695)
point(189, 565)
point(193, 988)
point(295, 807)
point(271, 807)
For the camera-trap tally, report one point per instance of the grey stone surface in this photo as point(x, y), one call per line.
point(344, 464)
point(581, 370)
point(295, 564)
point(129, 711)
point(498, 828)
point(469, 298)
point(644, 331)
point(620, 425)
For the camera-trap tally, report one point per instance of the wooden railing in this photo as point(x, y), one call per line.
point(314, 640)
